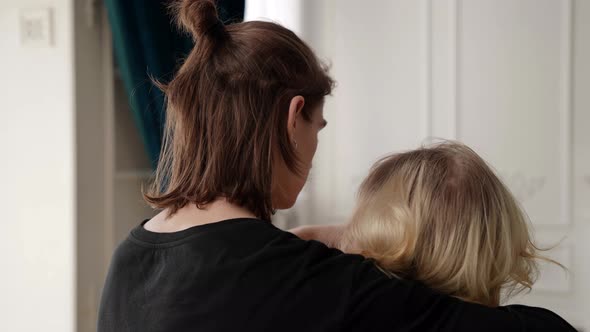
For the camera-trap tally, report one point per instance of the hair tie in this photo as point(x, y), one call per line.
point(217, 28)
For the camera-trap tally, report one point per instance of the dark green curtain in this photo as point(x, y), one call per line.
point(147, 44)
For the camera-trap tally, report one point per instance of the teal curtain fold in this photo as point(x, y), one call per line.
point(147, 44)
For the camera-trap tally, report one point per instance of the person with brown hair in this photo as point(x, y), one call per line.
point(439, 214)
point(243, 116)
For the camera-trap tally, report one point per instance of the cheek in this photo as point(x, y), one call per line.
point(315, 144)
point(311, 148)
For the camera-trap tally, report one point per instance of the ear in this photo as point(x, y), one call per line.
point(295, 108)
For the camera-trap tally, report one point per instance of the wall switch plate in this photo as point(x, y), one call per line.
point(36, 27)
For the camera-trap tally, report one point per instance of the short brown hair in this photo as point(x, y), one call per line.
point(440, 215)
point(227, 110)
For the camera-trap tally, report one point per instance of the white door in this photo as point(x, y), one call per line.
point(511, 78)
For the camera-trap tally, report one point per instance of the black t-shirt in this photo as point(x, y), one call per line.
point(248, 275)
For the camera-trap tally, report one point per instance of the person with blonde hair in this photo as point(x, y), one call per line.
point(440, 215)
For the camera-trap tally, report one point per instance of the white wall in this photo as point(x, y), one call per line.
point(37, 175)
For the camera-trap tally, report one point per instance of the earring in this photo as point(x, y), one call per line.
point(295, 143)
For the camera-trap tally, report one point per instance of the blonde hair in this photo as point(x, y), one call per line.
point(440, 215)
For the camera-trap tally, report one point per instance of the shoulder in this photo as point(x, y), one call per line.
point(327, 234)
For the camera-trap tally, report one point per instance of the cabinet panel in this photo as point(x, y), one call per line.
point(514, 97)
point(378, 59)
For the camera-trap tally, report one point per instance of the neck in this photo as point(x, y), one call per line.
point(190, 216)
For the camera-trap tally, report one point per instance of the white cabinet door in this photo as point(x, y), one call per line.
point(518, 82)
point(511, 78)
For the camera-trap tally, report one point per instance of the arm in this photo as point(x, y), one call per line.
point(378, 303)
point(409, 306)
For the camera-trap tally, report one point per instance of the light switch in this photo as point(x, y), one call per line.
point(36, 27)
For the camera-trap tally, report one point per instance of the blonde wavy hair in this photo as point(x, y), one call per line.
point(440, 215)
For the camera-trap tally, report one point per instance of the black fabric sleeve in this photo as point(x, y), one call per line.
point(379, 303)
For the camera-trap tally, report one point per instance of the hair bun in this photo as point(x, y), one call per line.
point(199, 17)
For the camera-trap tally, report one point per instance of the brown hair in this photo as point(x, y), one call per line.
point(227, 110)
point(440, 215)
